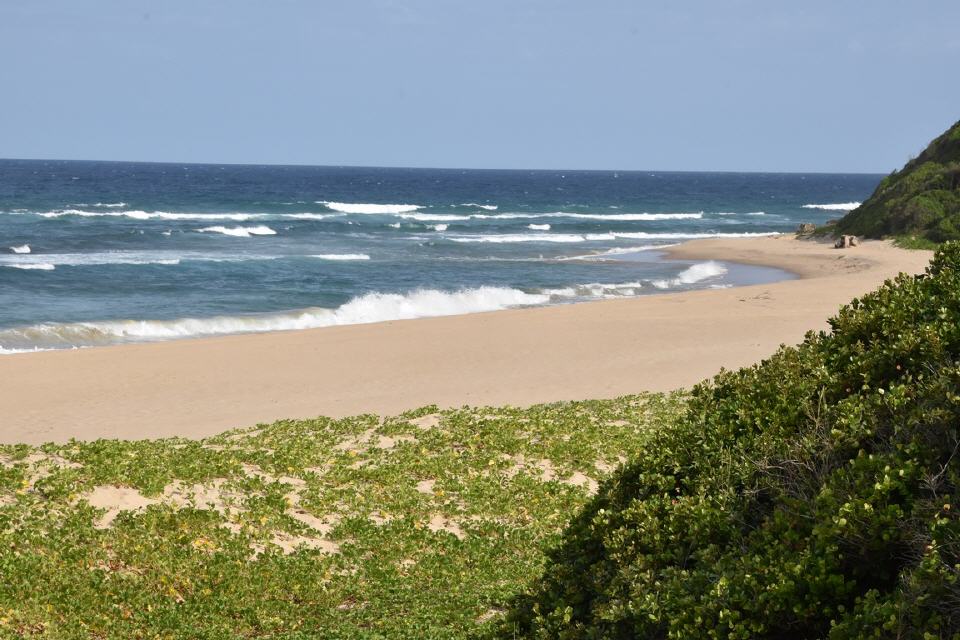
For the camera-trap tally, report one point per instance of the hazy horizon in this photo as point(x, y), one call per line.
point(425, 168)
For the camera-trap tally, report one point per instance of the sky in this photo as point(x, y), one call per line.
point(715, 85)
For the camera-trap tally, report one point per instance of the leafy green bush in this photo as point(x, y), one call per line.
point(812, 495)
point(922, 199)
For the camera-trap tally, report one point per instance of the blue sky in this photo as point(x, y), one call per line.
point(763, 85)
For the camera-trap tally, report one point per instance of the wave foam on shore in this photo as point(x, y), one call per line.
point(364, 309)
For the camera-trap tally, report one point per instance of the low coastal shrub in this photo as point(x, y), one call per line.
point(813, 495)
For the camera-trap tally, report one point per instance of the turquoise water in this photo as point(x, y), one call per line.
point(98, 253)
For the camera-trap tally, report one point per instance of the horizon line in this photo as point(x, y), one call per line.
point(429, 168)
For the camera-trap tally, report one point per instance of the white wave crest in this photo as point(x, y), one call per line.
point(488, 207)
point(596, 290)
point(372, 307)
point(108, 205)
point(361, 207)
point(693, 274)
point(136, 214)
point(441, 227)
point(433, 217)
point(640, 235)
point(618, 251)
point(595, 237)
point(839, 206)
point(6, 352)
point(609, 217)
point(539, 227)
point(241, 232)
point(737, 213)
point(501, 238)
point(630, 217)
point(40, 266)
point(307, 216)
point(24, 248)
point(341, 256)
point(50, 260)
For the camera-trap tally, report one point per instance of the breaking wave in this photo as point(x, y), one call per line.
point(433, 217)
point(371, 307)
point(592, 237)
point(241, 232)
point(840, 206)
point(501, 238)
point(341, 256)
point(691, 275)
point(361, 207)
point(109, 205)
point(49, 261)
point(40, 266)
point(136, 214)
point(596, 290)
point(618, 251)
point(307, 216)
point(24, 248)
point(609, 217)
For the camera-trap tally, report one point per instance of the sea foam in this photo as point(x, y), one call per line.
point(241, 232)
point(39, 266)
point(307, 216)
point(597, 237)
point(840, 206)
point(109, 205)
point(341, 256)
point(501, 238)
point(371, 307)
point(137, 214)
point(24, 248)
point(609, 217)
point(691, 275)
point(51, 260)
point(433, 217)
point(362, 207)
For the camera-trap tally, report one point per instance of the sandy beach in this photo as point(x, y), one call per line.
point(195, 388)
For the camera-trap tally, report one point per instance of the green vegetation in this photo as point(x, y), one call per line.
point(415, 526)
point(922, 199)
point(813, 495)
point(915, 243)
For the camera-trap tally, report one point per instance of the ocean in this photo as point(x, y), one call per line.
point(97, 253)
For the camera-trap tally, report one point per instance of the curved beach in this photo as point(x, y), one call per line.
point(199, 387)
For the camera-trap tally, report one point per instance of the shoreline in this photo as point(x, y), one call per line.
point(601, 349)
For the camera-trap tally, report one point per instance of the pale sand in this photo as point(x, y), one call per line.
point(593, 350)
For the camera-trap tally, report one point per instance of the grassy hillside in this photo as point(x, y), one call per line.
point(813, 495)
point(921, 200)
point(415, 526)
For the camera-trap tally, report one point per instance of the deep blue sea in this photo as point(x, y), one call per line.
point(97, 253)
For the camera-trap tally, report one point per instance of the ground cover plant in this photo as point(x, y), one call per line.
point(413, 526)
point(813, 495)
